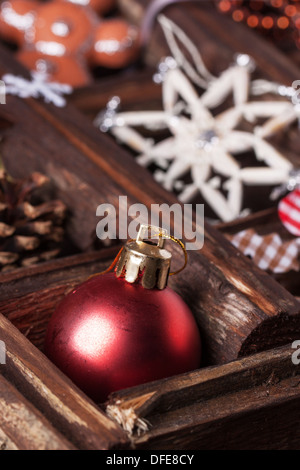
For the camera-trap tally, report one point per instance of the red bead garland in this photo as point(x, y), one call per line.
point(266, 15)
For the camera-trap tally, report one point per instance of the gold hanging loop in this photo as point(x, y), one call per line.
point(160, 235)
point(179, 242)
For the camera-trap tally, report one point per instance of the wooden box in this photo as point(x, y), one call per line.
point(245, 396)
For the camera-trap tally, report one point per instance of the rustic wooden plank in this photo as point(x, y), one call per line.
point(231, 298)
point(5, 442)
point(264, 220)
point(211, 382)
point(222, 407)
point(23, 426)
point(246, 421)
point(66, 407)
point(5, 119)
point(134, 89)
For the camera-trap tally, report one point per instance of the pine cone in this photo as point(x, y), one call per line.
point(31, 224)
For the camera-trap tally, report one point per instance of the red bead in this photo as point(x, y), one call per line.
point(116, 44)
point(108, 335)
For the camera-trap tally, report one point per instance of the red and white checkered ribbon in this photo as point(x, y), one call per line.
point(269, 252)
point(289, 212)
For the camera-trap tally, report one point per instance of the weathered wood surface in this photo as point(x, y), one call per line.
point(22, 427)
point(264, 221)
point(29, 296)
point(135, 89)
point(230, 298)
point(251, 403)
point(63, 405)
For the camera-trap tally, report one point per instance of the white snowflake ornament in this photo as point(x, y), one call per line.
point(202, 143)
point(37, 87)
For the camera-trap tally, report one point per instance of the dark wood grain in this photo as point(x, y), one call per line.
point(22, 426)
point(135, 89)
point(228, 295)
point(65, 407)
point(251, 420)
point(247, 404)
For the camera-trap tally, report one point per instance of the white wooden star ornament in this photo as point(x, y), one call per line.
point(202, 143)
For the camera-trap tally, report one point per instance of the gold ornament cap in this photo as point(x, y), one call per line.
point(144, 260)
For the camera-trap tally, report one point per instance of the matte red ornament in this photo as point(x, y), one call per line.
point(109, 334)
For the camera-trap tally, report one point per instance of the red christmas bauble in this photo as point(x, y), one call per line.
point(109, 334)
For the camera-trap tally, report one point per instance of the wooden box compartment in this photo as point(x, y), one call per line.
point(246, 394)
point(250, 403)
